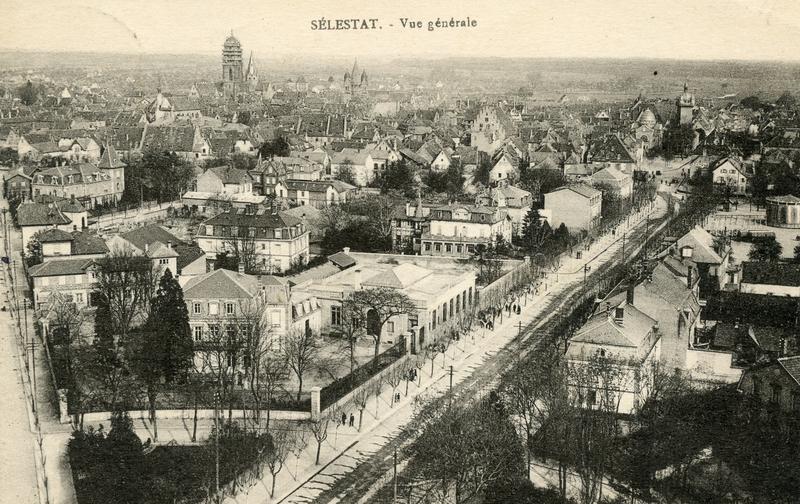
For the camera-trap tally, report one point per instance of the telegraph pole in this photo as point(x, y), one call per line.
point(394, 478)
point(216, 440)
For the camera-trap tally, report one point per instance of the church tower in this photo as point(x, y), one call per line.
point(252, 74)
point(685, 104)
point(232, 75)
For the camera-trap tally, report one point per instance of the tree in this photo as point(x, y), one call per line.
point(300, 350)
point(360, 397)
point(284, 441)
point(8, 157)
point(489, 265)
point(539, 181)
point(353, 326)
point(382, 303)
point(398, 176)
point(481, 174)
point(765, 248)
point(242, 247)
point(28, 93)
point(319, 429)
point(127, 282)
point(157, 175)
point(345, 173)
point(170, 321)
point(277, 147)
point(147, 363)
point(465, 448)
point(535, 232)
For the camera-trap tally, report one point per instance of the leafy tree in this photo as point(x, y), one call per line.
point(157, 175)
point(28, 93)
point(277, 147)
point(765, 248)
point(481, 174)
point(398, 176)
point(170, 321)
point(126, 464)
point(677, 141)
point(345, 173)
point(786, 100)
point(540, 181)
point(8, 157)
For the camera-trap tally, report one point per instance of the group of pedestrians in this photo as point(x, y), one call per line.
point(344, 419)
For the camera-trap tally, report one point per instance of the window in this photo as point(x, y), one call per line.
point(213, 330)
point(776, 393)
point(79, 297)
point(278, 234)
point(390, 327)
point(448, 247)
point(229, 309)
point(427, 246)
point(757, 387)
point(438, 247)
point(198, 333)
point(591, 398)
point(196, 308)
point(459, 248)
point(336, 315)
point(163, 261)
point(275, 318)
point(213, 309)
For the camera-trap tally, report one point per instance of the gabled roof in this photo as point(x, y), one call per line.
point(109, 158)
point(159, 250)
point(582, 189)
point(399, 277)
point(230, 175)
point(147, 235)
point(262, 218)
point(60, 267)
point(792, 366)
point(601, 329)
point(221, 284)
point(702, 244)
point(86, 242)
point(341, 260)
point(36, 214)
point(187, 254)
point(54, 235)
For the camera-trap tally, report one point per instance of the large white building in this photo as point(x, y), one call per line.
point(455, 230)
point(276, 240)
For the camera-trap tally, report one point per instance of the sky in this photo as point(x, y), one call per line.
point(676, 29)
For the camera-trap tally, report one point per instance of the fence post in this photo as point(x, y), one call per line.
point(315, 403)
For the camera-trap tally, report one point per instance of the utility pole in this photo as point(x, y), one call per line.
point(216, 441)
point(33, 368)
point(394, 478)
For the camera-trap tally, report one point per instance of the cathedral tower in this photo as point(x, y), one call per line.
point(232, 75)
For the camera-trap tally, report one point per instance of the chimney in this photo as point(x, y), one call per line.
point(619, 315)
point(630, 294)
point(146, 247)
point(241, 267)
point(408, 209)
point(169, 245)
point(346, 250)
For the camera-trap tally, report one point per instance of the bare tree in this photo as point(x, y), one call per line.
point(128, 283)
point(284, 441)
point(394, 377)
point(217, 355)
point(353, 326)
point(360, 398)
point(385, 303)
point(319, 428)
point(243, 246)
point(300, 350)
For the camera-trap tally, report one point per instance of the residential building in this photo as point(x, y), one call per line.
point(318, 194)
point(730, 172)
point(72, 280)
point(617, 180)
point(408, 224)
point(712, 258)
point(775, 383)
point(624, 340)
point(225, 180)
point(164, 250)
point(516, 201)
point(275, 239)
point(456, 230)
point(576, 206)
point(34, 217)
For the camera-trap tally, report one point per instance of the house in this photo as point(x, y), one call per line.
point(776, 383)
point(56, 244)
point(576, 206)
point(711, 257)
point(624, 340)
point(456, 230)
point(318, 194)
point(669, 295)
point(275, 239)
point(164, 250)
point(359, 161)
point(730, 172)
point(504, 168)
point(71, 280)
point(225, 180)
point(770, 279)
point(17, 184)
point(222, 300)
point(88, 183)
point(34, 217)
point(516, 201)
point(408, 224)
point(440, 296)
point(620, 182)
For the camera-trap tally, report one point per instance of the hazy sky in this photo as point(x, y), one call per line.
point(683, 29)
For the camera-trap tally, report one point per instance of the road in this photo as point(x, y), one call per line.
point(18, 480)
point(360, 473)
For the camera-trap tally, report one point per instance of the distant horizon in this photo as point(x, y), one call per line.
point(426, 56)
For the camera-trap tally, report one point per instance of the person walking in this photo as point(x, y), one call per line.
point(344, 419)
point(352, 419)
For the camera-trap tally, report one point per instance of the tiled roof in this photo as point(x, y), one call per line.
point(221, 284)
point(36, 214)
point(109, 158)
point(341, 260)
point(60, 267)
point(54, 235)
point(792, 366)
point(230, 175)
point(85, 242)
point(771, 273)
point(399, 277)
point(187, 254)
point(601, 329)
point(147, 235)
point(262, 218)
point(168, 138)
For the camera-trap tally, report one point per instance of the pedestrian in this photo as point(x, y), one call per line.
point(397, 397)
point(344, 418)
point(352, 419)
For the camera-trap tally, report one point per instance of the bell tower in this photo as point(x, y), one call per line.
point(232, 75)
